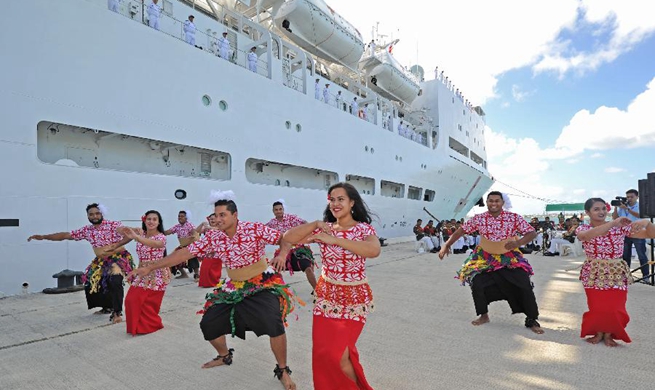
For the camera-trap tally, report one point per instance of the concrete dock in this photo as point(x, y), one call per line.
point(419, 337)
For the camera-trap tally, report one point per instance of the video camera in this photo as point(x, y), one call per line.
point(619, 200)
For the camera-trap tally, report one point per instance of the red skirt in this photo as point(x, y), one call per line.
point(142, 310)
point(330, 338)
point(210, 272)
point(606, 314)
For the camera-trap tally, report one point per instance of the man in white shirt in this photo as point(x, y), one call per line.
point(317, 89)
point(326, 94)
point(354, 106)
point(154, 12)
point(190, 31)
point(224, 46)
point(252, 59)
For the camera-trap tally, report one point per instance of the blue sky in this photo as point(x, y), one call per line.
point(568, 85)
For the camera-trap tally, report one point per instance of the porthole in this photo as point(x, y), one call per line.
point(180, 194)
point(287, 183)
point(222, 105)
point(366, 148)
point(401, 159)
point(206, 100)
point(287, 124)
point(372, 150)
point(277, 182)
point(396, 157)
point(298, 127)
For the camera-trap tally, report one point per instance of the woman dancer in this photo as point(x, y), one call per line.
point(605, 275)
point(144, 297)
point(211, 267)
point(343, 296)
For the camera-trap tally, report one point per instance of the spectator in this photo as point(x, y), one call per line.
point(420, 236)
point(224, 47)
point(154, 11)
point(326, 94)
point(317, 90)
point(630, 209)
point(252, 59)
point(190, 31)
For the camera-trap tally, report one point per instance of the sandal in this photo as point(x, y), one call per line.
point(279, 371)
point(227, 359)
point(114, 315)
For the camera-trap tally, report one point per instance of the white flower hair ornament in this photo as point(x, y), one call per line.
point(508, 203)
point(103, 209)
point(215, 196)
point(188, 214)
point(281, 201)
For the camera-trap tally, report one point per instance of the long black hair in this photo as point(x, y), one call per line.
point(360, 210)
point(160, 227)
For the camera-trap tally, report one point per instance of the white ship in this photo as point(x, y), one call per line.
point(99, 107)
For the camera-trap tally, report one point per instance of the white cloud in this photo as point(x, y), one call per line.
point(614, 170)
point(597, 155)
point(610, 127)
point(579, 191)
point(520, 95)
point(476, 41)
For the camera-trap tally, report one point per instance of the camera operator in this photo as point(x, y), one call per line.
point(629, 207)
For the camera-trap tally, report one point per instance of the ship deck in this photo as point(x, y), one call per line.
point(419, 337)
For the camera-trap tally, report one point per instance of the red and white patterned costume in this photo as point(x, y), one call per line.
point(245, 248)
point(288, 221)
point(158, 279)
point(183, 231)
point(334, 300)
point(606, 247)
point(499, 228)
point(99, 236)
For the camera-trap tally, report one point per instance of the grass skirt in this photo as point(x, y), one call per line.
point(480, 261)
point(97, 274)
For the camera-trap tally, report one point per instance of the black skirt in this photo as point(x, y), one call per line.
point(259, 313)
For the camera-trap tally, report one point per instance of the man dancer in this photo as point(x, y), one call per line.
point(497, 270)
point(103, 278)
point(254, 297)
point(300, 258)
point(186, 234)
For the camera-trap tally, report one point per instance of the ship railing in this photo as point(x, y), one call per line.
point(206, 41)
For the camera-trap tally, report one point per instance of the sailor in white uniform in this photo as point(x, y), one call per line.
point(338, 100)
point(224, 46)
point(154, 11)
point(371, 47)
point(190, 31)
point(326, 94)
point(400, 128)
point(113, 5)
point(252, 59)
point(317, 90)
point(354, 106)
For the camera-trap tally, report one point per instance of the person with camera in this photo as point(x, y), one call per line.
point(628, 206)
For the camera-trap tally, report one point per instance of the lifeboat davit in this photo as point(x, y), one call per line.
point(388, 77)
point(317, 28)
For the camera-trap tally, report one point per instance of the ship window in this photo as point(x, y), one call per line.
point(180, 194)
point(391, 189)
point(206, 100)
point(287, 124)
point(298, 127)
point(274, 173)
point(363, 184)
point(222, 105)
point(80, 147)
point(414, 193)
point(428, 196)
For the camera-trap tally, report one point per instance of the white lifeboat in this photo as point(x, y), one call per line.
point(317, 28)
point(388, 77)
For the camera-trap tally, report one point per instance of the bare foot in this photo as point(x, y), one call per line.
point(483, 319)
point(537, 329)
point(594, 340)
point(214, 363)
point(287, 382)
point(117, 319)
point(609, 341)
point(102, 311)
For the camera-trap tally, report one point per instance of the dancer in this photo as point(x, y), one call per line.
point(253, 297)
point(605, 275)
point(211, 266)
point(145, 294)
point(497, 270)
point(300, 257)
point(103, 278)
point(186, 234)
point(343, 295)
